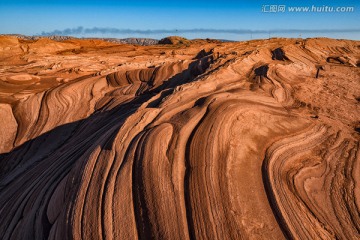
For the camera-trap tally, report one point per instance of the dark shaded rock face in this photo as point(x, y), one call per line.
point(279, 54)
point(262, 71)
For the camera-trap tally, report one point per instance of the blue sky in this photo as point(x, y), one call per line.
point(119, 18)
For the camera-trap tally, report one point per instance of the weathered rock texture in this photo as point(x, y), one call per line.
point(198, 141)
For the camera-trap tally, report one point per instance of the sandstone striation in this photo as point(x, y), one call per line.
point(203, 140)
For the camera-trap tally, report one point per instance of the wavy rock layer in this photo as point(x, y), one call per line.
point(251, 140)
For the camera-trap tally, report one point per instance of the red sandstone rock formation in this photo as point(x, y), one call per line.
point(206, 140)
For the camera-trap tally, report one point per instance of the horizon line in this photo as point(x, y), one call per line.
point(107, 30)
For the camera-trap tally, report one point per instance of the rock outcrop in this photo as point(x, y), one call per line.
point(174, 40)
point(185, 141)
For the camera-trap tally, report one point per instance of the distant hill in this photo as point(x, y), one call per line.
point(135, 41)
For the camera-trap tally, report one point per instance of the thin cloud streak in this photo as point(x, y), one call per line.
point(97, 30)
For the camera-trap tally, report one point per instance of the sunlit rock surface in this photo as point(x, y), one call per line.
point(203, 140)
